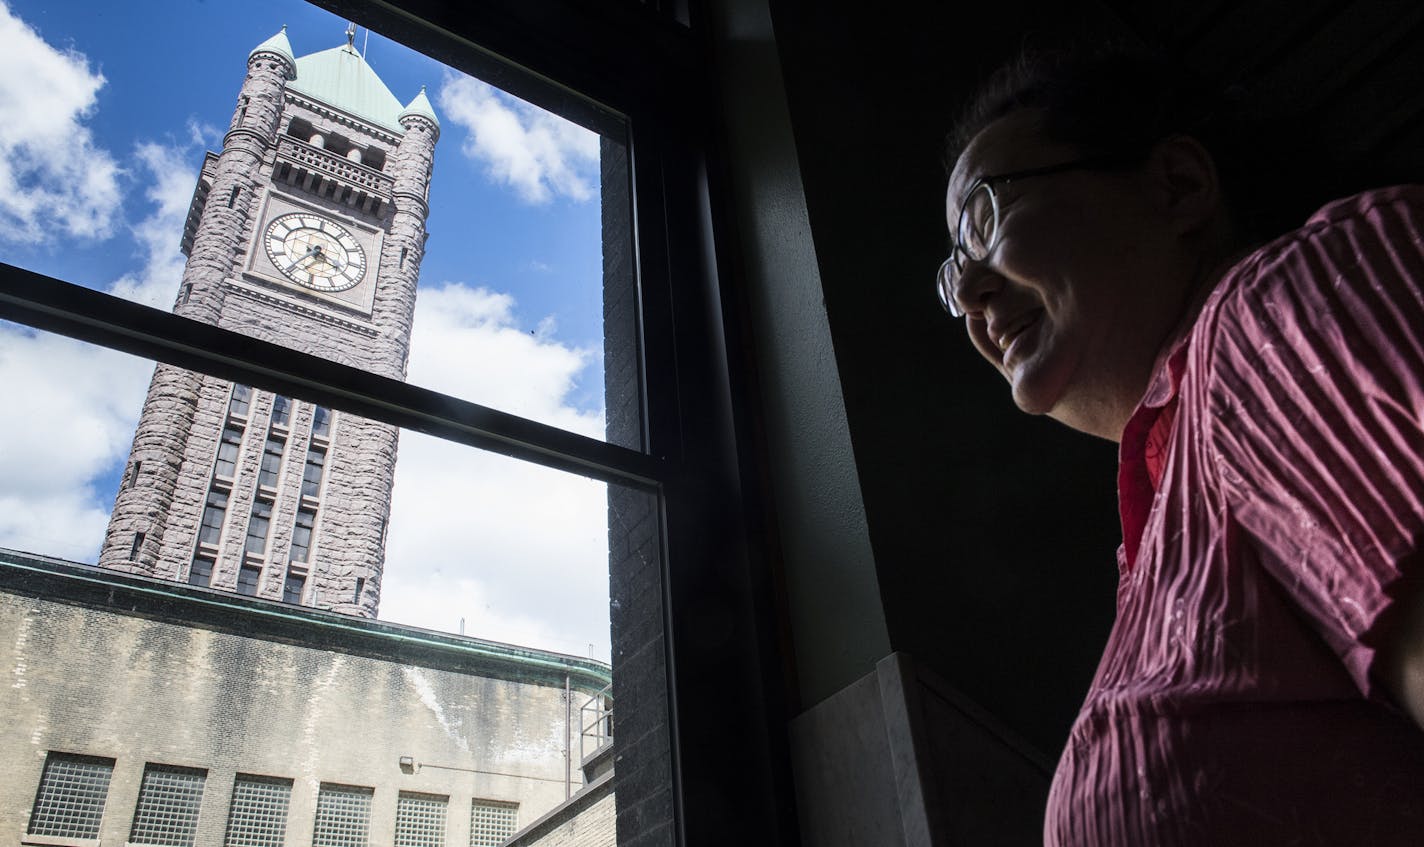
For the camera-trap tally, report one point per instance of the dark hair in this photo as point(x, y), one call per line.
point(1117, 100)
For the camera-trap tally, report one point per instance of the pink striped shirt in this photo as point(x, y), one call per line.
point(1271, 487)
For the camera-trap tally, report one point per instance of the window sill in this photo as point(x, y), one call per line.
point(58, 841)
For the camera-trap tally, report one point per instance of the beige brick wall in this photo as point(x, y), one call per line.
point(97, 682)
point(585, 821)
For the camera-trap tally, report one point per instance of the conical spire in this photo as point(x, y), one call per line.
point(276, 44)
point(420, 107)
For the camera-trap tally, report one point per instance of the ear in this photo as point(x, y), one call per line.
point(1184, 174)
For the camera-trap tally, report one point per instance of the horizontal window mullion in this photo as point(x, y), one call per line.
point(97, 318)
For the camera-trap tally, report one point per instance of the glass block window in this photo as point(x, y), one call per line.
point(258, 816)
point(168, 801)
point(420, 820)
point(343, 816)
point(70, 802)
point(491, 822)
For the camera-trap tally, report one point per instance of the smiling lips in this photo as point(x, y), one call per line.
point(1012, 329)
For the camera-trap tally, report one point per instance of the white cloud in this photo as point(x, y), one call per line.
point(80, 406)
point(155, 283)
point(466, 342)
point(66, 441)
point(537, 153)
point(55, 182)
point(517, 550)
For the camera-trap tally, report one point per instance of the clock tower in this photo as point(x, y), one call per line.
point(307, 231)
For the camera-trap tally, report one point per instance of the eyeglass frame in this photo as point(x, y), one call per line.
point(943, 280)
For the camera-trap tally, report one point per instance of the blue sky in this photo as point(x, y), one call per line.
point(105, 114)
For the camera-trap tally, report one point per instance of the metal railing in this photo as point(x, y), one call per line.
point(596, 723)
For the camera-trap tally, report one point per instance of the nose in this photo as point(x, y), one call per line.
point(971, 288)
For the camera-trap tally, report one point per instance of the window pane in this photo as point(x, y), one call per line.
point(292, 588)
point(248, 578)
point(70, 802)
point(201, 572)
point(302, 534)
point(420, 820)
point(271, 462)
point(311, 475)
point(258, 526)
point(491, 822)
point(258, 815)
point(213, 514)
point(168, 803)
point(343, 816)
point(238, 406)
point(281, 411)
point(227, 452)
point(455, 236)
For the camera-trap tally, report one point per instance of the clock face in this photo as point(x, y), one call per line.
point(315, 251)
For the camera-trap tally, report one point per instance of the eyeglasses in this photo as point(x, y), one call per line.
point(978, 229)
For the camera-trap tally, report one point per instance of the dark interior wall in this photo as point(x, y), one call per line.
point(993, 533)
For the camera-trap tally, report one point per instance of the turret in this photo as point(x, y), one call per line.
point(410, 168)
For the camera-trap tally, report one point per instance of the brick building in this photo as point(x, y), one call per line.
point(306, 230)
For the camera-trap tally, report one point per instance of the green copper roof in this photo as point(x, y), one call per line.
point(421, 106)
point(276, 44)
point(340, 77)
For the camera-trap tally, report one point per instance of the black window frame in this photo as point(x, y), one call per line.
point(599, 64)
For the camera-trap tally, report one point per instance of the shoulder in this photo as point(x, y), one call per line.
point(1356, 266)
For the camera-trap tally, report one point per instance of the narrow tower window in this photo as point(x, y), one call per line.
point(241, 394)
point(228, 448)
point(258, 526)
point(360, 586)
point(321, 422)
point(292, 588)
point(201, 573)
point(213, 514)
point(271, 462)
point(281, 410)
point(302, 534)
point(311, 476)
point(247, 579)
point(232, 198)
point(137, 546)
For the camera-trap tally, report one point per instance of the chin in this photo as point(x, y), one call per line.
point(1032, 395)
